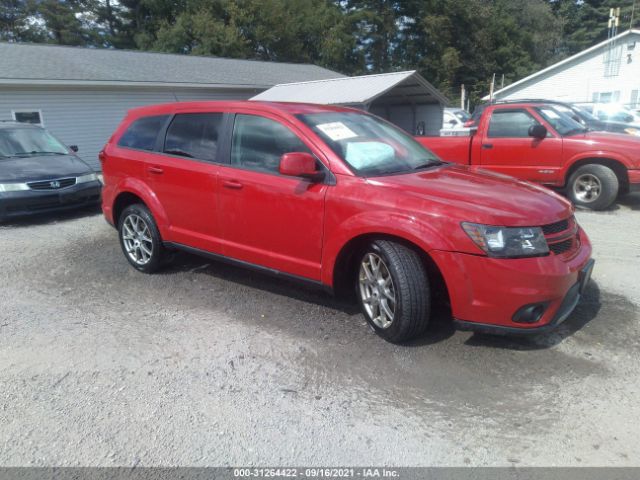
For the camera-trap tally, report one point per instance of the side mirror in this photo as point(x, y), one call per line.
point(300, 164)
point(74, 148)
point(538, 131)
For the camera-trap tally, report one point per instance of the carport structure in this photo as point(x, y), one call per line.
point(404, 98)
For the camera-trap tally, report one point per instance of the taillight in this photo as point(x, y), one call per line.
point(469, 123)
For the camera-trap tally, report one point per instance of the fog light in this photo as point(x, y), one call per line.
point(530, 313)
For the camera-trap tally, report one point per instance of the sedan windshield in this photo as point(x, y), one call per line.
point(29, 141)
point(561, 121)
point(369, 145)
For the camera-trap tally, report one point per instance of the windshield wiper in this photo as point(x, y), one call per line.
point(38, 153)
point(176, 151)
point(575, 131)
point(429, 164)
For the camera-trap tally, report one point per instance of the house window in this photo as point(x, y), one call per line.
point(606, 97)
point(28, 116)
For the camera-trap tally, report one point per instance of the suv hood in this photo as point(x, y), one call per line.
point(44, 167)
point(462, 194)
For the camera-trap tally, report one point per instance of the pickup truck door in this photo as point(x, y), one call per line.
point(507, 147)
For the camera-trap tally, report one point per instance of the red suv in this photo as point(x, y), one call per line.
point(342, 199)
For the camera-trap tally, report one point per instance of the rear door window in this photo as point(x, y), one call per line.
point(259, 142)
point(143, 133)
point(194, 135)
point(510, 124)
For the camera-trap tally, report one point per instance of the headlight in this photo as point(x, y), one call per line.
point(13, 187)
point(507, 242)
point(92, 177)
point(633, 131)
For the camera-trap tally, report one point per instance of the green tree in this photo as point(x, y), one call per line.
point(14, 22)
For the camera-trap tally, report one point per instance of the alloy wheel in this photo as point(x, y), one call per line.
point(377, 291)
point(137, 239)
point(587, 188)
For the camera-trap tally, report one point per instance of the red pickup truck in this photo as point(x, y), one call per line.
point(537, 142)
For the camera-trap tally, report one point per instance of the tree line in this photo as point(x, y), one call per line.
point(451, 42)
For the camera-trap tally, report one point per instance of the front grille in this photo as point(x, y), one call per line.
point(561, 247)
point(557, 227)
point(56, 184)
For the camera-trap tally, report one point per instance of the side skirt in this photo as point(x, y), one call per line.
point(316, 285)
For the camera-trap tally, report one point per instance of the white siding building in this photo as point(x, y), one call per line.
point(607, 72)
point(82, 94)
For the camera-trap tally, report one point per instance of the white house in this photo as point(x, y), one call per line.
point(81, 94)
point(606, 72)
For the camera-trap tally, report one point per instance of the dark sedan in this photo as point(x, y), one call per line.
point(39, 174)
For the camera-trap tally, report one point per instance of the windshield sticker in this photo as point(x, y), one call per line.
point(336, 131)
point(362, 155)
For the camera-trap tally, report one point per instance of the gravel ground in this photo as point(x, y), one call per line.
point(205, 364)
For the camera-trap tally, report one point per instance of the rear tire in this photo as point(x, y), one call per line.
point(593, 186)
point(140, 239)
point(392, 287)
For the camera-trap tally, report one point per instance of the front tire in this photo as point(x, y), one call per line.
point(393, 291)
point(140, 239)
point(593, 186)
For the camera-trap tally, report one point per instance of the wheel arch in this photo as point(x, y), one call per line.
point(346, 263)
point(617, 165)
point(132, 190)
point(122, 201)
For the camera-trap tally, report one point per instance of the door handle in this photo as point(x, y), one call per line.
point(232, 184)
point(155, 170)
point(487, 145)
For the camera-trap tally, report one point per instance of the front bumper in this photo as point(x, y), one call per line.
point(486, 293)
point(634, 180)
point(32, 202)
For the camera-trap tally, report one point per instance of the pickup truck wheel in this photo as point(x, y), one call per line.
point(593, 186)
point(140, 239)
point(393, 291)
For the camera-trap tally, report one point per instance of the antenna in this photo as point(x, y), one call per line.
point(611, 55)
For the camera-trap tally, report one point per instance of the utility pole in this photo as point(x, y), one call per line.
point(633, 10)
point(492, 87)
point(462, 96)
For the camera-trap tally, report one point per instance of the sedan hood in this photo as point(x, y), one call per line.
point(45, 167)
point(459, 193)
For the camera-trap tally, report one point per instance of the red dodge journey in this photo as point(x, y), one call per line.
point(340, 198)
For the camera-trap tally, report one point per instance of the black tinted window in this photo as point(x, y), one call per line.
point(258, 143)
point(142, 133)
point(194, 135)
point(510, 124)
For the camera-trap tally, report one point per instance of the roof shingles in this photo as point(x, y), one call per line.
point(43, 63)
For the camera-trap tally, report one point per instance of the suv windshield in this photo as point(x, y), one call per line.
point(29, 141)
point(561, 121)
point(369, 145)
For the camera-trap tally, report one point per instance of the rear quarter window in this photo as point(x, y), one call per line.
point(143, 133)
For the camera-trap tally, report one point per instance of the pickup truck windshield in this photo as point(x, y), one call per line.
point(27, 142)
point(369, 145)
point(561, 121)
